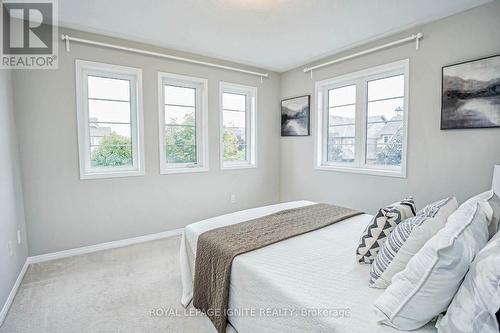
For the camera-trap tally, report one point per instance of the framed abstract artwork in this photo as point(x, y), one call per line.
point(295, 116)
point(471, 94)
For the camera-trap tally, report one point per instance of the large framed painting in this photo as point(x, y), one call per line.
point(471, 94)
point(295, 114)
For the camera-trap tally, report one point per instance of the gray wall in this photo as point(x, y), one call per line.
point(64, 212)
point(440, 163)
point(11, 196)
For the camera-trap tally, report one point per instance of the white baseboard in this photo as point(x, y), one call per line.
point(13, 292)
point(103, 246)
point(78, 251)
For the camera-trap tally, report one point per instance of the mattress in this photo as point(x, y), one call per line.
point(309, 283)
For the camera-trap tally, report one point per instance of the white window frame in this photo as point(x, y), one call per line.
point(201, 122)
point(360, 79)
point(250, 125)
point(83, 70)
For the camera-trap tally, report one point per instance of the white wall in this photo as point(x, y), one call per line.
point(440, 163)
point(11, 197)
point(64, 212)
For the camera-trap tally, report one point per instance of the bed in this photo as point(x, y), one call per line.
point(312, 272)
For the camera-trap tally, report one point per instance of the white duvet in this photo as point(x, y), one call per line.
point(313, 272)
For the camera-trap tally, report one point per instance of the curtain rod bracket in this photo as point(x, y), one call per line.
point(66, 39)
point(417, 40)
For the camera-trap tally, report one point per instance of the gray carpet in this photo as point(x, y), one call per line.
point(108, 291)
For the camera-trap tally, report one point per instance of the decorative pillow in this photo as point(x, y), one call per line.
point(407, 239)
point(477, 301)
point(432, 277)
point(380, 227)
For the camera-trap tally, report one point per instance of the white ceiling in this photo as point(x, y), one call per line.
point(276, 35)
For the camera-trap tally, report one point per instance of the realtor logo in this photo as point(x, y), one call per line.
point(29, 34)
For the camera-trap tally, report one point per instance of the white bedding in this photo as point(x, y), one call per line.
point(316, 270)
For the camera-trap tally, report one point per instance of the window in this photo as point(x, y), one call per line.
point(183, 123)
point(363, 121)
point(109, 110)
point(238, 147)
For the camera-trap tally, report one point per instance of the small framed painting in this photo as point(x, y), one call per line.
point(295, 116)
point(471, 94)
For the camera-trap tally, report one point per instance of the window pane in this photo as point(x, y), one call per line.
point(109, 111)
point(234, 127)
point(233, 102)
point(180, 144)
point(341, 143)
point(104, 129)
point(106, 88)
point(180, 96)
point(234, 119)
point(179, 115)
point(342, 96)
point(385, 132)
point(386, 88)
point(234, 144)
point(110, 145)
point(342, 115)
point(341, 128)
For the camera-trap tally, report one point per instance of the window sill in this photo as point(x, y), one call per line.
point(104, 175)
point(238, 166)
point(170, 171)
point(364, 171)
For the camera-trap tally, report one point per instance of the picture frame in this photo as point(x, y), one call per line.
point(470, 94)
point(296, 116)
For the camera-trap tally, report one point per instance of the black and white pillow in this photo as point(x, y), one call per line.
point(407, 239)
point(381, 226)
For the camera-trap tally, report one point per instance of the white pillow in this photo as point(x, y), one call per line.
point(432, 277)
point(475, 305)
point(494, 202)
point(407, 239)
point(485, 196)
point(495, 205)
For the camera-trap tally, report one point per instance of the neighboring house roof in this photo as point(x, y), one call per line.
point(378, 126)
point(96, 131)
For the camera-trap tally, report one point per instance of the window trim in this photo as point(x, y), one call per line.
point(201, 123)
point(250, 125)
point(361, 79)
point(83, 70)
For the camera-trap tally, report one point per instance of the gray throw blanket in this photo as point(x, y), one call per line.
point(217, 248)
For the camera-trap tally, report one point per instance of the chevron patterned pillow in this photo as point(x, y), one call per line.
point(407, 238)
point(381, 226)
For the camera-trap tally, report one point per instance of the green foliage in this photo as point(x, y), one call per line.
point(180, 141)
point(114, 150)
point(234, 148)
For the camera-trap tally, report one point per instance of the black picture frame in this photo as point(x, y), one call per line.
point(490, 94)
point(302, 119)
